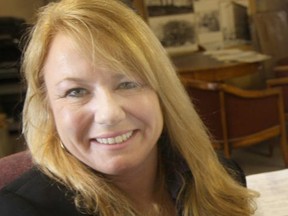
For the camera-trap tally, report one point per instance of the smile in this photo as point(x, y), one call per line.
point(115, 140)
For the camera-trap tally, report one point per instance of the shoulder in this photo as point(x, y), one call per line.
point(36, 194)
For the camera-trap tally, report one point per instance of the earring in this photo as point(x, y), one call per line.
point(62, 146)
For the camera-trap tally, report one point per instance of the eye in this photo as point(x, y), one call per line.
point(76, 92)
point(128, 85)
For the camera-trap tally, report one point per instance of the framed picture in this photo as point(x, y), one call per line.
point(172, 21)
point(183, 25)
point(209, 30)
point(177, 33)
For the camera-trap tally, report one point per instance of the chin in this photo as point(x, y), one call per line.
point(118, 169)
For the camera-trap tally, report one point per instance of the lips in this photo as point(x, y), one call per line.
point(116, 139)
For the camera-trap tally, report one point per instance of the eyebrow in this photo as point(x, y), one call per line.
point(70, 79)
point(116, 76)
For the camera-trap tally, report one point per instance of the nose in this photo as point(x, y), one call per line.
point(109, 109)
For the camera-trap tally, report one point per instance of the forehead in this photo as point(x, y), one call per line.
point(63, 45)
point(61, 49)
point(66, 56)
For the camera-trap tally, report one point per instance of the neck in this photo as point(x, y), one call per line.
point(140, 184)
point(145, 188)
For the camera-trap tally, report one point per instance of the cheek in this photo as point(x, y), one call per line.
point(69, 123)
point(149, 111)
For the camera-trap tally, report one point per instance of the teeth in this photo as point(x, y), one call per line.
point(114, 140)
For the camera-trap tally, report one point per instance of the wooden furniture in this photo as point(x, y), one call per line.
point(202, 67)
point(280, 68)
point(239, 118)
point(280, 80)
point(282, 83)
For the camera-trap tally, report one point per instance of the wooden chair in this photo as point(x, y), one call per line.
point(282, 84)
point(239, 118)
point(280, 69)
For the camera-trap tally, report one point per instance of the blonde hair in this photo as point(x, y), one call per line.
point(109, 30)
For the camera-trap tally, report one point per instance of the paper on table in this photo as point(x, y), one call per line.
point(222, 52)
point(273, 189)
point(237, 55)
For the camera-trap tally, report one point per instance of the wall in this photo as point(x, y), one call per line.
point(269, 24)
point(267, 5)
point(20, 8)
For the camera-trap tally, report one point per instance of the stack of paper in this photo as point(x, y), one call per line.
point(273, 189)
point(236, 55)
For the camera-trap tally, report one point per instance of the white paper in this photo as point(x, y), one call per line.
point(222, 52)
point(237, 55)
point(273, 189)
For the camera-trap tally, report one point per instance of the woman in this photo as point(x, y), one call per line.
point(110, 126)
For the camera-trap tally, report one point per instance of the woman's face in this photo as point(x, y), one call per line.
point(104, 118)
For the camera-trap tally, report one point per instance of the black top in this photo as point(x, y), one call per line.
point(35, 194)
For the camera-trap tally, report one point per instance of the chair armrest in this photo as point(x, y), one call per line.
point(277, 82)
point(280, 68)
point(251, 93)
point(192, 83)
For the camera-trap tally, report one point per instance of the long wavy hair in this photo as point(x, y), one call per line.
point(122, 40)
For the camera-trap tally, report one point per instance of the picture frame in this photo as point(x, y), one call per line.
point(209, 23)
point(173, 22)
point(185, 26)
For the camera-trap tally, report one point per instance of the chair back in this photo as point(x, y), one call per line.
point(207, 100)
point(249, 112)
point(237, 117)
point(282, 84)
point(13, 166)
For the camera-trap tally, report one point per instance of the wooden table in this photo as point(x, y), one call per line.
point(203, 67)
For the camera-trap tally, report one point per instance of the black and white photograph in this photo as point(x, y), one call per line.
point(177, 33)
point(168, 7)
point(209, 29)
point(208, 21)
